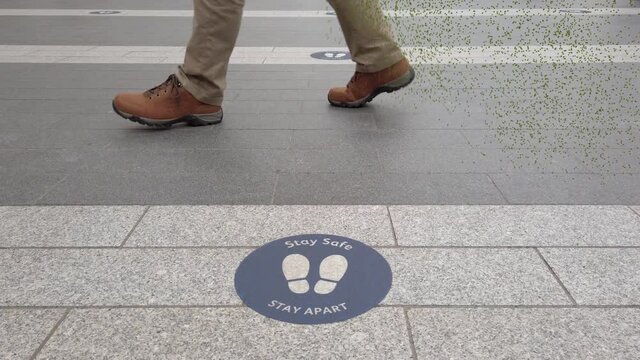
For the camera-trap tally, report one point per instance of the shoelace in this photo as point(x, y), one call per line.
point(172, 82)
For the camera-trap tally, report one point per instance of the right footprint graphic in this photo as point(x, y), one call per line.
point(332, 269)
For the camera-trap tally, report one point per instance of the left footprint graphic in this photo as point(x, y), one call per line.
point(295, 268)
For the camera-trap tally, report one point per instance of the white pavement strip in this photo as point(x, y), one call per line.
point(302, 55)
point(328, 13)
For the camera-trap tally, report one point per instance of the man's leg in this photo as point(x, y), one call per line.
point(367, 33)
point(380, 64)
point(193, 94)
point(216, 24)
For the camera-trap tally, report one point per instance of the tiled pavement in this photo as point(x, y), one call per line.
point(469, 282)
point(452, 180)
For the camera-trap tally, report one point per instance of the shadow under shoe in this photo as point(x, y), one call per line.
point(363, 87)
point(166, 104)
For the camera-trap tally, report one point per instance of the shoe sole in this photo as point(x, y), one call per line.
point(389, 87)
point(191, 119)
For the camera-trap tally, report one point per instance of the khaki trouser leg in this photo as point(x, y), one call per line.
point(216, 24)
point(367, 33)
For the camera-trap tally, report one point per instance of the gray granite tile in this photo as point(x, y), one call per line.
point(24, 187)
point(273, 95)
point(43, 161)
point(331, 139)
point(211, 137)
point(346, 121)
point(133, 188)
point(578, 334)
point(336, 160)
point(188, 161)
point(54, 139)
point(636, 209)
point(445, 160)
point(256, 225)
point(516, 225)
point(22, 331)
point(598, 276)
point(67, 106)
point(417, 188)
point(418, 139)
point(471, 277)
point(626, 187)
point(69, 277)
point(558, 188)
point(254, 106)
point(224, 334)
point(327, 189)
point(66, 225)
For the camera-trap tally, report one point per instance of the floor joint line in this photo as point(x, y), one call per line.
point(146, 209)
point(393, 229)
point(50, 334)
point(414, 354)
point(556, 277)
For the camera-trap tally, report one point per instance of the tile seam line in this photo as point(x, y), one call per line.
point(633, 210)
point(452, 12)
point(564, 288)
point(380, 306)
point(50, 334)
point(324, 205)
point(253, 247)
point(393, 229)
point(275, 188)
point(135, 226)
point(504, 197)
point(414, 354)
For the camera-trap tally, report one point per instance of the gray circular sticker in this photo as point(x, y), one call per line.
point(331, 55)
point(575, 11)
point(105, 12)
point(313, 279)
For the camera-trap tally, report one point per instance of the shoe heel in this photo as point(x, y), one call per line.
point(205, 119)
point(402, 81)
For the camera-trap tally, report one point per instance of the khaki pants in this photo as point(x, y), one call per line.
point(216, 24)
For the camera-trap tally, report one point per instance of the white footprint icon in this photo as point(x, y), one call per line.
point(332, 269)
point(295, 268)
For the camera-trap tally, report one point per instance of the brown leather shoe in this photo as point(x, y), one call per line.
point(363, 87)
point(166, 104)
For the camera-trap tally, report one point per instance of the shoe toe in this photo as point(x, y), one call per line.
point(340, 94)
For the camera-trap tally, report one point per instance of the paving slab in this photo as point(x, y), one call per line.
point(86, 277)
point(562, 189)
point(579, 334)
point(22, 331)
point(516, 225)
point(66, 225)
point(598, 276)
point(26, 187)
point(256, 225)
point(385, 188)
point(471, 277)
point(231, 333)
point(171, 187)
point(327, 189)
point(111, 277)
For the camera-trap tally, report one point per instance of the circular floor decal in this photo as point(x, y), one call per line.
point(313, 279)
point(575, 11)
point(331, 55)
point(104, 12)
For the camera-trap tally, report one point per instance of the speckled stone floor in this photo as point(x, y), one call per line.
point(503, 190)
